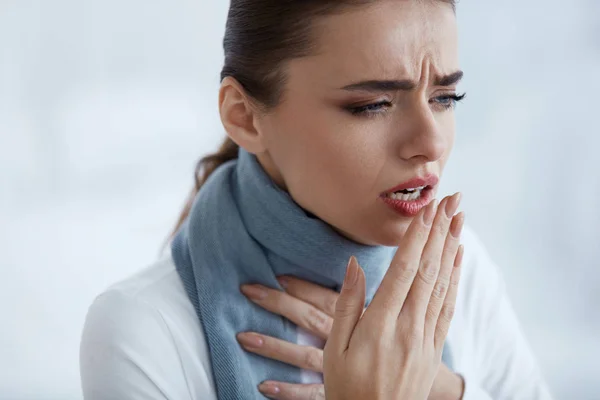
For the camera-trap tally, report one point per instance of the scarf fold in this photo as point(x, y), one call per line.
point(243, 229)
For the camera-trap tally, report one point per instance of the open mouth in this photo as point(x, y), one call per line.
point(411, 194)
point(410, 197)
point(418, 188)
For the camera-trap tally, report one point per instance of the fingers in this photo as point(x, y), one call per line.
point(299, 312)
point(445, 318)
point(399, 277)
point(430, 262)
point(349, 308)
point(443, 281)
point(322, 298)
point(304, 357)
point(289, 391)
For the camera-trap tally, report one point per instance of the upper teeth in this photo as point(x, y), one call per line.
point(413, 194)
point(413, 189)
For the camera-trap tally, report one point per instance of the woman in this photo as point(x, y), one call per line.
point(339, 116)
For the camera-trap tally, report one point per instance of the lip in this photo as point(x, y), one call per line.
point(412, 208)
point(427, 180)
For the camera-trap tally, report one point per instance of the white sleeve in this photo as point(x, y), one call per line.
point(127, 352)
point(506, 365)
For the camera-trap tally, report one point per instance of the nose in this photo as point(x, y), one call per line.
point(422, 139)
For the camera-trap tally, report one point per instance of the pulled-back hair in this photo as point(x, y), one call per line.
point(260, 36)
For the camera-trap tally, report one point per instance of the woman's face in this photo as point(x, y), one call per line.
point(370, 110)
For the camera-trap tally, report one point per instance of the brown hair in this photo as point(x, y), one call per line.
point(260, 36)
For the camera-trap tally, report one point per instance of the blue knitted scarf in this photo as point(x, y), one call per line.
point(243, 229)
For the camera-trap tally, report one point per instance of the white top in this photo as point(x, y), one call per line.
point(143, 340)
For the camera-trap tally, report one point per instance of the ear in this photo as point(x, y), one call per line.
point(238, 116)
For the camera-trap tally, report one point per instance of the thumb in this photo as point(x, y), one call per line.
point(349, 307)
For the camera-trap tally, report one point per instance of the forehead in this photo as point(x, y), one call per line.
point(386, 40)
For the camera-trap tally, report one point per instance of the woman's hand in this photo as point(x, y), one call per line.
point(312, 307)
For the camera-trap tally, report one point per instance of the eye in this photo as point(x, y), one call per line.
point(370, 109)
point(447, 101)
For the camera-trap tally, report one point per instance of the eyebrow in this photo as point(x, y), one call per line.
point(449, 80)
point(404, 85)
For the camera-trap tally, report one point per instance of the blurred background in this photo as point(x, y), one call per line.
point(106, 105)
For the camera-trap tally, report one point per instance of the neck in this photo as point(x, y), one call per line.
point(266, 163)
point(295, 237)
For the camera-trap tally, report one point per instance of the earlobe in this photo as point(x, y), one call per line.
point(238, 116)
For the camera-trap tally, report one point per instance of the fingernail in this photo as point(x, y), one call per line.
point(351, 274)
point(457, 224)
point(269, 388)
point(250, 340)
point(283, 281)
point(430, 213)
point(254, 292)
point(452, 205)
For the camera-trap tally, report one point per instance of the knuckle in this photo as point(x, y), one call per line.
point(447, 312)
point(441, 331)
point(330, 304)
point(430, 314)
point(406, 272)
point(313, 360)
point(428, 271)
point(412, 338)
point(449, 252)
point(319, 322)
point(440, 289)
point(454, 282)
point(343, 309)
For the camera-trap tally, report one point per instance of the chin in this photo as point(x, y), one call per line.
point(388, 232)
point(391, 234)
point(388, 235)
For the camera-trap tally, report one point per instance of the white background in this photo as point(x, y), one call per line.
point(106, 105)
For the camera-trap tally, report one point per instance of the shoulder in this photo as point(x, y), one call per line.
point(156, 287)
point(142, 335)
point(153, 296)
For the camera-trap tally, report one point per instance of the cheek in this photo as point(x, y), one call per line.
point(446, 124)
point(451, 141)
point(328, 158)
point(333, 165)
